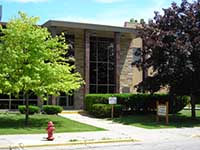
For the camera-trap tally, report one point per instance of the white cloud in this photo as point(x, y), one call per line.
point(108, 1)
point(27, 1)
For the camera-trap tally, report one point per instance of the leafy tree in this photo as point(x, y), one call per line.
point(172, 50)
point(32, 61)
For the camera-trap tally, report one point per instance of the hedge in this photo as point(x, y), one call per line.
point(32, 109)
point(52, 109)
point(137, 102)
point(104, 110)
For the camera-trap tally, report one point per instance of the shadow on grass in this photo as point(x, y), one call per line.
point(17, 121)
point(149, 121)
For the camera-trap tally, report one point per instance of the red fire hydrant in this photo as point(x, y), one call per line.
point(50, 130)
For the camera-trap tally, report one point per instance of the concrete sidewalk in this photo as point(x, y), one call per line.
point(141, 134)
point(115, 133)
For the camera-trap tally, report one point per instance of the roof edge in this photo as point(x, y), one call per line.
point(57, 23)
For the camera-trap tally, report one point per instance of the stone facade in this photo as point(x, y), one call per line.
point(127, 76)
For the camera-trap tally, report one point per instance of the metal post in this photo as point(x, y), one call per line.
point(112, 111)
point(9, 102)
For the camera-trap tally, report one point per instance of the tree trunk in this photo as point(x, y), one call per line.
point(27, 109)
point(144, 76)
point(193, 106)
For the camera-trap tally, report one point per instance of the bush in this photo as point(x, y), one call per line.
point(104, 110)
point(137, 102)
point(32, 109)
point(52, 109)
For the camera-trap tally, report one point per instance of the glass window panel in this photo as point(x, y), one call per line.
point(93, 51)
point(93, 39)
point(93, 89)
point(102, 51)
point(110, 40)
point(93, 72)
point(111, 73)
point(102, 73)
point(62, 101)
point(102, 65)
point(33, 96)
point(111, 89)
point(69, 38)
point(111, 52)
point(102, 89)
point(2, 96)
point(71, 100)
point(4, 105)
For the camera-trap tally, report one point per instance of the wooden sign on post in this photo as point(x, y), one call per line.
point(112, 101)
point(162, 111)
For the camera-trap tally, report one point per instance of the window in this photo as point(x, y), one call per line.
point(102, 65)
point(69, 38)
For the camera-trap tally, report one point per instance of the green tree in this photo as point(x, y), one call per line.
point(32, 61)
point(171, 47)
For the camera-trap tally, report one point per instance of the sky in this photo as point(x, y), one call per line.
point(107, 12)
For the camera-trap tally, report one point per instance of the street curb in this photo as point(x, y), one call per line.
point(74, 143)
point(74, 112)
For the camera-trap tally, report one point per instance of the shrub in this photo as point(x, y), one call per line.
point(104, 110)
point(52, 109)
point(32, 109)
point(137, 102)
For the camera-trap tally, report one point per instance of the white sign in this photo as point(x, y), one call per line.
point(162, 110)
point(112, 100)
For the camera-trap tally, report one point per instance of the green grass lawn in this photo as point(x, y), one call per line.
point(148, 121)
point(14, 124)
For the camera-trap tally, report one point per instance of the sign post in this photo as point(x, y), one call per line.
point(112, 101)
point(162, 110)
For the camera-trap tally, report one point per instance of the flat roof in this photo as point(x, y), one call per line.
point(56, 23)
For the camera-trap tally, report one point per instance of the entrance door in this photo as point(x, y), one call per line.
point(67, 102)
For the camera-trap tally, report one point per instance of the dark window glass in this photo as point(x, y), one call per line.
point(2, 96)
point(93, 51)
point(62, 101)
point(111, 73)
point(111, 89)
point(70, 42)
point(65, 99)
point(102, 73)
point(71, 100)
point(111, 52)
point(102, 51)
point(93, 71)
point(102, 89)
point(33, 96)
point(4, 105)
point(15, 103)
point(93, 89)
point(102, 65)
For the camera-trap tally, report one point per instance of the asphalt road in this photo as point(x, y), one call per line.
point(192, 144)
